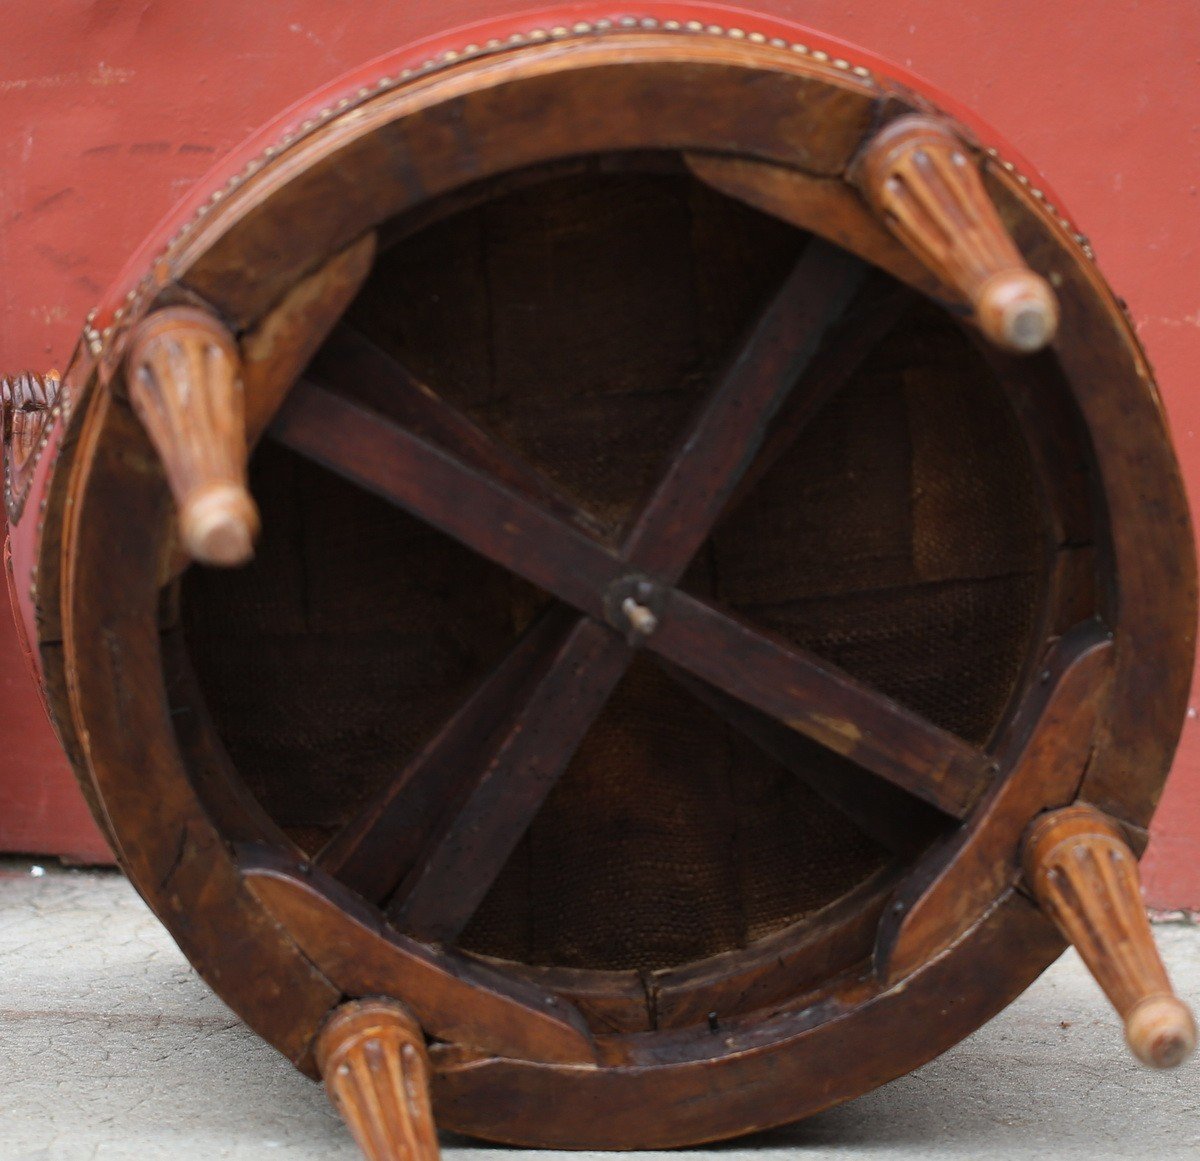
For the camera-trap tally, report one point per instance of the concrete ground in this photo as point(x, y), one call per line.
point(112, 1049)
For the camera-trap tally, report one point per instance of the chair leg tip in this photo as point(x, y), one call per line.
point(219, 525)
point(1161, 1031)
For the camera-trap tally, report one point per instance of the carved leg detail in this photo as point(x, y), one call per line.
point(1085, 878)
point(185, 384)
point(30, 404)
point(371, 1054)
point(918, 178)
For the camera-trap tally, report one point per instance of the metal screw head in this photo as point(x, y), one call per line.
point(634, 606)
point(640, 618)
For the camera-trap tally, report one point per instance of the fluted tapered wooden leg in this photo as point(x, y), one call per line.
point(372, 1057)
point(917, 176)
point(184, 376)
point(1085, 877)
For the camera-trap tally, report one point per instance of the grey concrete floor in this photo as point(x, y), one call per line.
point(112, 1049)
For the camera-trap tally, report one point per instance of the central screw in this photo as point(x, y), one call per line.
point(640, 617)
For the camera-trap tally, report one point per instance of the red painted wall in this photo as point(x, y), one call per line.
point(110, 110)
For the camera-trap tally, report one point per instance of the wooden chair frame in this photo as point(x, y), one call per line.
point(524, 1057)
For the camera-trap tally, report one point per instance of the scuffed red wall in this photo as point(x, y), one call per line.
point(109, 111)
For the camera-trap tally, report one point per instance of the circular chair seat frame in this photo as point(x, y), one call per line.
point(747, 1039)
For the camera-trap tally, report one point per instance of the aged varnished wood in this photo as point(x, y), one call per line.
point(375, 850)
point(715, 96)
point(351, 362)
point(439, 896)
point(380, 899)
point(282, 344)
point(372, 1057)
point(827, 206)
point(526, 538)
point(1085, 878)
point(29, 404)
point(194, 866)
point(464, 855)
point(185, 382)
point(693, 634)
point(901, 822)
point(917, 175)
point(1046, 748)
point(465, 1004)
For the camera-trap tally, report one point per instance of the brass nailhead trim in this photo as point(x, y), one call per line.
point(97, 341)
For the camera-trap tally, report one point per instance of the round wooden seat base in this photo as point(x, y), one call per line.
point(672, 571)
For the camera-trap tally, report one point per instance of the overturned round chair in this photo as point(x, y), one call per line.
point(628, 579)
